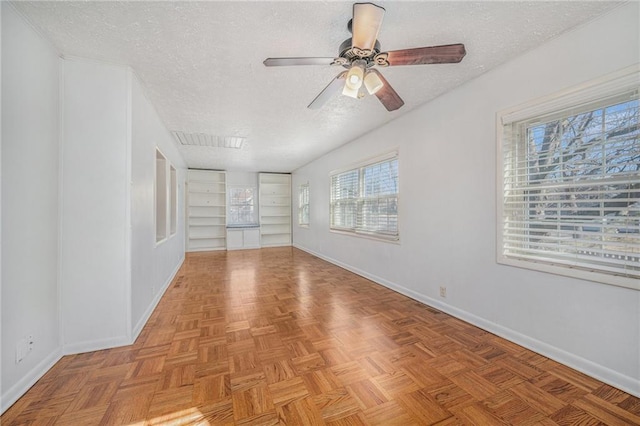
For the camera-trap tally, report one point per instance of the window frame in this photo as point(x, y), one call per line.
point(304, 187)
point(572, 99)
point(360, 199)
point(165, 198)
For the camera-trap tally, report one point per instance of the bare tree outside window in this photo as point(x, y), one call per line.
point(575, 190)
point(379, 202)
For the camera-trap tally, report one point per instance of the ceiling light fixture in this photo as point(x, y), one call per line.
point(360, 53)
point(355, 76)
point(372, 82)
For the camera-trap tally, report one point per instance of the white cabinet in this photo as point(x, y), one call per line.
point(275, 209)
point(243, 238)
point(206, 210)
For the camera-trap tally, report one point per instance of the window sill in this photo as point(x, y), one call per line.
point(392, 240)
point(571, 271)
point(165, 239)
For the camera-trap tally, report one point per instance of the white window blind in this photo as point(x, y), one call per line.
point(303, 205)
point(344, 200)
point(242, 206)
point(365, 200)
point(571, 188)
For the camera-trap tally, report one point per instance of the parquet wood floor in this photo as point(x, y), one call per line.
point(277, 336)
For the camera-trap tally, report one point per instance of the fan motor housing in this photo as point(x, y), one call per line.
point(350, 53)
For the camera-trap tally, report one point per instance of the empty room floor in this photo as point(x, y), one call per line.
point(277, 336)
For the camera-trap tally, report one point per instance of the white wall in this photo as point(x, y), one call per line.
point(30, 109)
point(447, 171)
point(153, 266)
point(78, 236)
point(242, 179)
point(95, 231)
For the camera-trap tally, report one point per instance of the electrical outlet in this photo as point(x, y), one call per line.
point(443, 291)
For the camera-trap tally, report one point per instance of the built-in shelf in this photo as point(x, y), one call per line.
point(275, 209)
point(206, 210)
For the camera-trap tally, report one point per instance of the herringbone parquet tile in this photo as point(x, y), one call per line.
point(277, 336)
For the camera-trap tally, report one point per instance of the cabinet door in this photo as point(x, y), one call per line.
point(234, 239)
point(252, 238)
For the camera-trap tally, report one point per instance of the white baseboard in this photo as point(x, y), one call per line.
point(152, 306)
point(95, 345)
point(10, 396)
point(597, 371)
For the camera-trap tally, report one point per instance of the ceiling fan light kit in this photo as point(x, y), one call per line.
point(354, 80)
point(360, 53)
point(372, 82)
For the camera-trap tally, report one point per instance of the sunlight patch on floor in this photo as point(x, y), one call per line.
point(191, 416)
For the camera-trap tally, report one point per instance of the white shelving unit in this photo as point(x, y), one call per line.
point(206, 210)
point(275, 209)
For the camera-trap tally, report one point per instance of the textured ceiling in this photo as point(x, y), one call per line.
point(201, 63)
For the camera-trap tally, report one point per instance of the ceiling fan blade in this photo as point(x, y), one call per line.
point(447, 54)
point(331, 89)
point(284, 62)
point(389, 97)
point(367, 19)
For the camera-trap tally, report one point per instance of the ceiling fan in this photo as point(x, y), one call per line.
point(360, 53)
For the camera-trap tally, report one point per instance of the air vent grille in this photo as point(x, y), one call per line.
point(202, 139)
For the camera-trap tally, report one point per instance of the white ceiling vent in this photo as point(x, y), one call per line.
point(201, 139)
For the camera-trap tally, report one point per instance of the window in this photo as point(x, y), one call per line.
point(166, 198)
point(242, 206)
point(570, 179)
point(364, 200)
point(303, 205)
point(161, 196)
point(173, 204)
